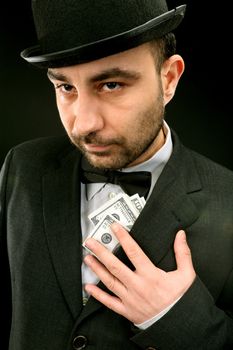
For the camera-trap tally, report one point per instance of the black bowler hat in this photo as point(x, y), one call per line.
point(76, 31)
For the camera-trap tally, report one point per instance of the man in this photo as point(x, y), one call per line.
point(114, 68)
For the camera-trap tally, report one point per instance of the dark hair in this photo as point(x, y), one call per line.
point(163, 48)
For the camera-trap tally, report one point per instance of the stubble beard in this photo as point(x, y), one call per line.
point(147, 126)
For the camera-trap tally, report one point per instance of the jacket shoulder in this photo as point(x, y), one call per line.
point(197, 168)
point(41, 153)
point(210, 169)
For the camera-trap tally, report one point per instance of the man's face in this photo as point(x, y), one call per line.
point(112, 109)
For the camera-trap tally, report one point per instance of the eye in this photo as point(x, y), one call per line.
point(111, 86)
point(65, 88)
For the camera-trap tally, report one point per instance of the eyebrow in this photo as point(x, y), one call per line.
point(115, 73)
point(103, 75)
point(54, 75)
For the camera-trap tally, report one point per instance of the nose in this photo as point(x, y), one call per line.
point(88, 117)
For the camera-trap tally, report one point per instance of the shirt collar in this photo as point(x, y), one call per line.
point(154, 165)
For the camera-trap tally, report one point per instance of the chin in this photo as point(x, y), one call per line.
point(98, 161)
point(104, 161)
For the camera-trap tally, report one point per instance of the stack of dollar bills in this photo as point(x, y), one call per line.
point(123, 209)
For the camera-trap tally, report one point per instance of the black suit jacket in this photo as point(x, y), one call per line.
point(41, 253)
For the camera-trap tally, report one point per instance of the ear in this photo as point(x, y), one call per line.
point(171, 72)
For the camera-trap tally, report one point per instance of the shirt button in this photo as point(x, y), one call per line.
point(111, 195)
point(79, 342)
point(85, 300)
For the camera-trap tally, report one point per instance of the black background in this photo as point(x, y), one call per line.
point(200, 111)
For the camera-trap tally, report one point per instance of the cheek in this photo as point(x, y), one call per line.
point(66, 118)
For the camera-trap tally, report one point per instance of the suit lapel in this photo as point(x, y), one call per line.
point(170, 206)
point(168, 209)
point(61, 195)
point(166, 212)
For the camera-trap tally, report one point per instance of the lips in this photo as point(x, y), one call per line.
point(96, 148)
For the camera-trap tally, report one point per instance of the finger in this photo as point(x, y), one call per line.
point(110, 261)
point(103, 297)
point(131, 248)
point(183, 252)
point(108, 279)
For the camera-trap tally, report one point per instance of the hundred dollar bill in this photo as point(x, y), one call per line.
point(120, 207)
point(103, 234)
point(138, 202)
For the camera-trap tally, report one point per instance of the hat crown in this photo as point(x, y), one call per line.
point(62, 24)
point(76, 31)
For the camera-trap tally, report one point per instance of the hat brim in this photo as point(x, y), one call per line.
point(155, 28)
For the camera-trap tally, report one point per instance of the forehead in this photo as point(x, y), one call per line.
point(138, 59)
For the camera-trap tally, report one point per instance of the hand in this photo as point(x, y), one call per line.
point(143, 293)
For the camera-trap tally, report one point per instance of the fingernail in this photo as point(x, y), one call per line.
point(89, 243)
point(88, 289)
point(182, 234)
point(115, 227)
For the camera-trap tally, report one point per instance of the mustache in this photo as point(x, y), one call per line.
point(96, 140)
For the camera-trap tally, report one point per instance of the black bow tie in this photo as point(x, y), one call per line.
point(132, 183)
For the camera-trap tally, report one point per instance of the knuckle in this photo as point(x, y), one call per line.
point(132, 253)
point(111, 284)
point(187, 251)
point(115, 269)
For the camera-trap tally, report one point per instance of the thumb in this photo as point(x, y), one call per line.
point(182, 252)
